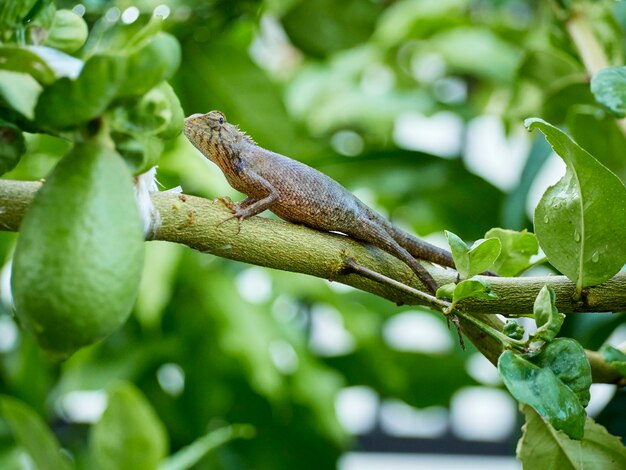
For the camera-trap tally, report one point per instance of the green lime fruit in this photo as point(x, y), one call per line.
point(78, 259)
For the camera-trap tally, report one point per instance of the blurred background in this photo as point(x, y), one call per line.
point(417, 106)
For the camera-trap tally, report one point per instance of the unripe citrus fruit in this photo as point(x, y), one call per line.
point(78, 259)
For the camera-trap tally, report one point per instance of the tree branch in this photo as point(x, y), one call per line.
point(194, 222)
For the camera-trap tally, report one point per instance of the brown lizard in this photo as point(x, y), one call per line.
point(301, 194)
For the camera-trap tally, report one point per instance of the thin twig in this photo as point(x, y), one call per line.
point(374, 276)
point(440, 305)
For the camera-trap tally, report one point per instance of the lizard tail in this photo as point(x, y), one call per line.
point(426, 251)
point(421, 249)
point(416, 247)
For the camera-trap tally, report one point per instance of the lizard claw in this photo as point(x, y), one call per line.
point(227, 202)
point(234, 208)
point(236, 215)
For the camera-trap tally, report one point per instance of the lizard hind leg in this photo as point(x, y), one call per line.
point(378, 236)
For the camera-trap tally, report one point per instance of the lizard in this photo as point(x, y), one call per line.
point(301, 194)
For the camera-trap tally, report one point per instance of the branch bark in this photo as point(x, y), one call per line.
point(194, 222)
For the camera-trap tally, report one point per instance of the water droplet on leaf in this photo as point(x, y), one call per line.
point(576, 236)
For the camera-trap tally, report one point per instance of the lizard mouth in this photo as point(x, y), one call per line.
point(193, 128)
point(199, 130)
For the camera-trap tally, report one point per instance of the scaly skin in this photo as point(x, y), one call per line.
point(301, 194)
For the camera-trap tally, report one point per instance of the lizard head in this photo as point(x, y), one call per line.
point(215, 137)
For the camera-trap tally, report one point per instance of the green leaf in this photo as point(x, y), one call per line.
point(464, 50)
point(19, 59)
point(188, 456)
point(12, 146)
point(20, 91)
point(541, 389)
point(546, 64)
point(482, 255)
point(547, 317)
point(415, 19)
point(68, 32)
point(474, 260)
point(517, 249)
point(107, 77)
point(615, 357)
point(557, 101)
point(12, 12)
point(609, 88)
point(139, 124)
point(598, 132)
point(567, 359)
point(70, 103)
point(158, 113)
point(39, 13)
point(473, 288)
point(337, 25)
point(32, 434)
point(542, 447)
point(460, 253)
point(149, 64)
point(129, 433)
point(513, 329)
point(141, 151)
point(579, 220)
point(167, 107)
point(146, 33)
point(446, 291)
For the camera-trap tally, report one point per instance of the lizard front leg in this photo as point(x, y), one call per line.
point(251, 206)
point(234, 206)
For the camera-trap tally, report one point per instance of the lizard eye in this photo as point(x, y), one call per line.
point(221, 120)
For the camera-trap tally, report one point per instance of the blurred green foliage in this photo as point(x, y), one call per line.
point(213, 342)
